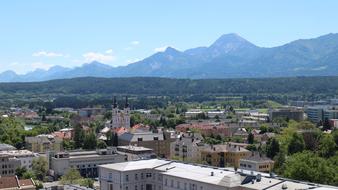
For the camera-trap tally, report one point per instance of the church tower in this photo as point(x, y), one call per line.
point(120, 118)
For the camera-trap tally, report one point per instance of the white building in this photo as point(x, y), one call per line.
point(84, 161)
point(120, 117)
point(169, 175)
point(24, 156)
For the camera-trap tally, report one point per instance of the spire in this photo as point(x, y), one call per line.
point(114, 102)
point(127, 104)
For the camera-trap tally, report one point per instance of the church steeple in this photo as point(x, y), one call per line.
point(114, 102)
point(127, 104)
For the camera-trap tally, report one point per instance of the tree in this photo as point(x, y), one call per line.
point(251, 147)
point(308, 166)
point(20, 171)
point(297, 144)
point(78, 136)
point(335, 136)
point(101, 144)
point(263, 129)
point(272, 148)
point(251, 138)
point(279, 161)
point(71, 177)
point(90, 141)
point(40, 167)
point(327, 146)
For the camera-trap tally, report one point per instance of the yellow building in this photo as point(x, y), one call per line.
point(257, 162)
point(224, 155)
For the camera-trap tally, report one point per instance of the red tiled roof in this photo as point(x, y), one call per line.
point(8, 182)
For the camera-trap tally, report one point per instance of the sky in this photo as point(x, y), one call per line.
point(39, 34)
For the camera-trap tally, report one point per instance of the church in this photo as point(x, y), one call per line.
point(120, 117)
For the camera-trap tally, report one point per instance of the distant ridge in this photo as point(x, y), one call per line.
point(230, 56)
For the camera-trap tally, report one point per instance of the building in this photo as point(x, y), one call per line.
point(90, 112)
point(6, 147)
point(136, 152)
point(44, 143)
point(289, 113)
point(187, 147)
point(320, 113)
point(334, 123)
point(8, 165)
point(120, 117)
point(170, 175)
point(13, 183)
point(84, 161)
point(224, 155)
point(256, 162)
point(158, 141)
point(25, 157)
point(209, 128)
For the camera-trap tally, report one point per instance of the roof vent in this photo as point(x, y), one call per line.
point(284, 186)
point(258, 177)
point(212, 174)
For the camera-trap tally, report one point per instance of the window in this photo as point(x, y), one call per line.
point(172, 183)
point(148, 175)
point(139, 139)
point(166, 182)
point(126, 187)
point(127, 178)
point(110, 176)
point(135, 187)
point(178, 185)
point(136, 177)
point(142, 175)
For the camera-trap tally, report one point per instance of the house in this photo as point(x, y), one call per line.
point(187, 147)
point(43, 143)
point(223, 155)
point(256, 162)
point(13, 183)
point(158, 140)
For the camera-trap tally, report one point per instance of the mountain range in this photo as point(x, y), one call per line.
point(230, 56)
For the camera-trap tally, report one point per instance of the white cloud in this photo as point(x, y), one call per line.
point(96, 56)
point(109, 51)
point(46, 54)
point(135, 43)
point(132, 60)
point(161, 49)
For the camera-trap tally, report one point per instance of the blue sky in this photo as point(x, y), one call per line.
point(41, 34)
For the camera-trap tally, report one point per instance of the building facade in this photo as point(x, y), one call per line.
point(120, 117)
point(158, 141)
point(24, 156)
point(256, 162)
point(187, 147)
point(85, 161)
point(44, 143)
point(224, 155)
point(8, 165)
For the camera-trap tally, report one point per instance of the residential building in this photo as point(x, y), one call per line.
point(13, 183)
point(256, 162)
point(84, 161)
point(334, 123)
point(209, 128)
point(291, 113)
point(44, 143)
point(187, 147)
point(25, 157)
point(224, 155)
point(159, 141)
point(157, 174)
point(8, 165)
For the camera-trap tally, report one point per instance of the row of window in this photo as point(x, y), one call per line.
point(184, 186)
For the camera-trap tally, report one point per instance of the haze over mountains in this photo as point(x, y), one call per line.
point(230, 56)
